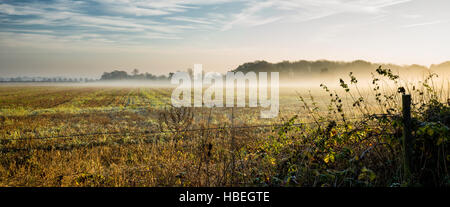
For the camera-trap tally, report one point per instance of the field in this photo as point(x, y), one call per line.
point(130, 136)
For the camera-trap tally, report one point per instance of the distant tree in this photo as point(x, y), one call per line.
point(445, 66)
point(106, 76)
point(135, 72)
point(149, 76)
point(114, 75)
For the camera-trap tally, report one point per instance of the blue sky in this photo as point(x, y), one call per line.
point(85, 38)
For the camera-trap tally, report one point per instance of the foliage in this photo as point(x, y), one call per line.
point(367, 152)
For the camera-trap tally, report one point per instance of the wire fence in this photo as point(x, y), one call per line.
point(149, 132)
point(127, 133)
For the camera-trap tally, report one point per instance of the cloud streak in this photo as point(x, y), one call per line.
point(423, 24)
point(304, 10)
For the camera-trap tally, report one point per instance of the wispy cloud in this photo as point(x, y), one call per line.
point(158, 19)
point(191, 20)
point(422, 24)
point(263, 12)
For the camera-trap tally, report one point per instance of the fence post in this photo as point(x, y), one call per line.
point(407, 137)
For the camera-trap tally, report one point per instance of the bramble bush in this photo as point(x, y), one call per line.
point(336, 151)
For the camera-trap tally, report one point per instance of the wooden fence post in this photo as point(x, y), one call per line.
point(407, 137)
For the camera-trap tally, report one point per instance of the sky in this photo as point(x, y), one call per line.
point(87, 38)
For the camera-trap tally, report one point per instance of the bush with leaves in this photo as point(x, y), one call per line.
point(337, 151)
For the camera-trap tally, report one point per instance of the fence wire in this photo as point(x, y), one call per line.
point(128, 133)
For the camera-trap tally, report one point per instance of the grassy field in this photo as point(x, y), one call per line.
point(130, 136)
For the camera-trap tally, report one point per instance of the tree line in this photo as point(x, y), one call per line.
point(286, 69)
point(46, 79)
point(135, 75)
point(323, 68)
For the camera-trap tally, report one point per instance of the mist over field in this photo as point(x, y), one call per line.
point(306, 74)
